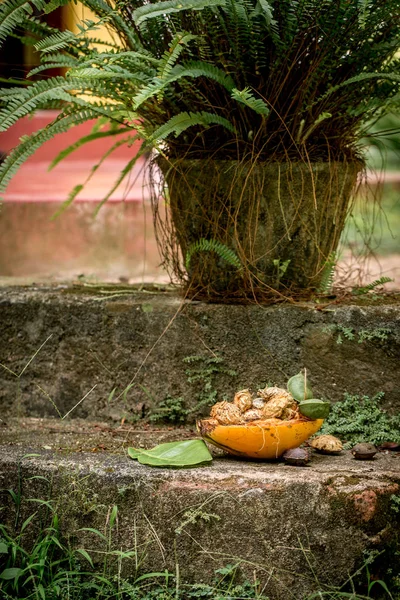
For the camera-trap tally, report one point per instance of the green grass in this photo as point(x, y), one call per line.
point(37, 563)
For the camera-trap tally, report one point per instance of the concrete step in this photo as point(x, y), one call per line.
point(296, 529)
point(65, 341)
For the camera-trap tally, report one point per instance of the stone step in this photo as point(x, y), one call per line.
point(297, 529)
point(70, 342)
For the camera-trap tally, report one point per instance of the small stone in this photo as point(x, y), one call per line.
point(364, 451)
point(297, 457)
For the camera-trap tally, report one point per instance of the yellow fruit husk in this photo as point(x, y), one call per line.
point(266, 439)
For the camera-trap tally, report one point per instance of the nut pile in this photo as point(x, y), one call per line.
point(269, 403)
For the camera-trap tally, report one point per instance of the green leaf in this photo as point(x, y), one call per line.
point(12, 573)
point(133, 453)
point(298, 387)
point(173, 454)
point(3, 548)
point(314, 409)
point(86, 555)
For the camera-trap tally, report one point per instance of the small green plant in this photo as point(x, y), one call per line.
point(171, 410)
point(362, 335)
point(201, 376)
point(193, 516)
point(378, 334)
point(395, 503)
point(361, 419)
point(342, 332)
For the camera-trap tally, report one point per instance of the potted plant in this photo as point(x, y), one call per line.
point(255, 111)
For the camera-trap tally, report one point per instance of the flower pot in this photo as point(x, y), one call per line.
point(282, 221)
point(267, 439)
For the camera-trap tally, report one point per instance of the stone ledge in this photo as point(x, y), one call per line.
point(107, 338)
point(271, 518)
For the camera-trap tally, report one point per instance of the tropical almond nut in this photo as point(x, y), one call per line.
point(327, 444)
point(364, 451)
point(296, 457)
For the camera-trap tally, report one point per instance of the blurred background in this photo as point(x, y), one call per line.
point(117, 245)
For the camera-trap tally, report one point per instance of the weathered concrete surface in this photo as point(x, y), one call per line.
point(110, 337)
point(282, 522)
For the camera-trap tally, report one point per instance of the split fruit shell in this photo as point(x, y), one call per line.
point(265, 439)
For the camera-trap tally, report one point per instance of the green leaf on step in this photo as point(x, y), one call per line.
point(299, 388)
point(173, 454)
point(133, 453)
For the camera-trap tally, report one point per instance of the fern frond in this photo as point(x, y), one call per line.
point(365, 6)
point(123, 29)
point(246, 97)
point(265, 10)
point(33, 97)
point(84, 140)
point(182, 121)
point(53, 5)
point(359, 79)
point(29, 144)
point(191, 70)
point(202, 69)
point(322, 117)
point(160, 9)
point(328, 274)
point(125, 171)
point(371, 286)
point(204, 245)
point(70, 199)
point(68, 62)
point(56, 41)
point(171, 55)
point(12, 14)
point(108, 72)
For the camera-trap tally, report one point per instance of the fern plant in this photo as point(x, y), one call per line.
point(275, 80)
point(221, 77)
